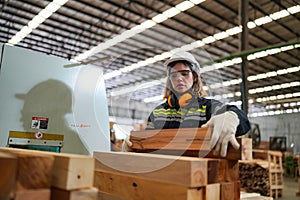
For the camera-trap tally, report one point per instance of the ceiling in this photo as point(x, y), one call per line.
point(80, 25)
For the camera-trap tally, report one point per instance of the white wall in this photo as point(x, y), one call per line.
point(280, 125)
point(74, 99)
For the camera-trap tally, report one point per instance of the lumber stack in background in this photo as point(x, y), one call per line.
point(263, 176)
point(130, 175)
point(47, 175)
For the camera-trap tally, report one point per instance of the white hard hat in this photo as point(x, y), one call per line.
point(183, 55)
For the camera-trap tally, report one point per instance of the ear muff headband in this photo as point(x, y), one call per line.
point(183, 101)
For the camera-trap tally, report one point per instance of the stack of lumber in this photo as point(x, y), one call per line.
point(134, 176)
point(170, 164)
point(263, 176)
point(39, 175)
point(254, 177)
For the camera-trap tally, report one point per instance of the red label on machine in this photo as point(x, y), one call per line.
point(39, 122)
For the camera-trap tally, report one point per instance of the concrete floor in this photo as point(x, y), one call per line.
point(290, 189)
point(289, 192)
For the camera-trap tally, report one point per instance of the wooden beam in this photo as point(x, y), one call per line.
point(105, 196)
point(33, 194)
point(187, 171)
point(34, 169)
point(186, 141)
point(65, 171)
point(136, 188)
point(212, 191)
point(80, 194)
point(8, 169)
point(71, 171)
point(172, 139)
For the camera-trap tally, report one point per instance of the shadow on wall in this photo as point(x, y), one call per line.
point(51, 99)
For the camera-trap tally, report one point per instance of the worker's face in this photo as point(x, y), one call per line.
point(181, 78)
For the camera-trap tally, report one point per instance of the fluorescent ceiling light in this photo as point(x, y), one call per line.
point(262, 20)
point(45, 13)
point(234, 30)
point(294, 9)
point(36, 21)
point(197, 1)
point(171, 12)
point(208, 40)
point(184, 5)
point(251, 25)
point(159, 18)
point(279, 15)
point(112, 74)
point(145, 25)
point(52, 7)
point(60, 2)
point(221, 35)
point(32, 24)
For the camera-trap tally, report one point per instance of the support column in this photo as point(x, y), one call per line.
point(244, 18)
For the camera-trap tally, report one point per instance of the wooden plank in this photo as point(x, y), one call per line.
point(35, 194)
point(67, 171)
point(105, 196)
point(71, 171)
point(34, 169)
point(227, 190)
point(8, 169)
point(186, 141)
point(237, 190)
point(172, 139)
point(212, 191)
point(80, 194)
point(187, 171)
point(230, 190)
point(136, 188)
point(228, 170)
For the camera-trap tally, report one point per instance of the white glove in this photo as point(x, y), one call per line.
point(126, 145)
point(224, 127)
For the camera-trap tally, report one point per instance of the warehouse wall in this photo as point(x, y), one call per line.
point(280, 125)
point(33, 84)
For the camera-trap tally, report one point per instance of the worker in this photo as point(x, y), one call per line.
point(187, 107)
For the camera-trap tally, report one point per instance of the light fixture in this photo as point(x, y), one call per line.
point(184, 5)
point(36, 21)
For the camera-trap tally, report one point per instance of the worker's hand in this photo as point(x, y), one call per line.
point(126, 145)
point(224, 127)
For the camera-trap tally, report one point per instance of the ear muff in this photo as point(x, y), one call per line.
point(183, 101)
point(172, 101)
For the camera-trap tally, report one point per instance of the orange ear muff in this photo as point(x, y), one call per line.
point(185, 99)
point(170, 101)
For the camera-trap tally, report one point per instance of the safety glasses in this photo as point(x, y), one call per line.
point(184, 73)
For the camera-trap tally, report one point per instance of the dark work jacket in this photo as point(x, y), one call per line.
point(195, 114)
